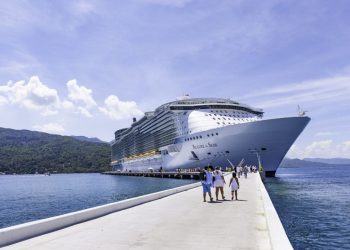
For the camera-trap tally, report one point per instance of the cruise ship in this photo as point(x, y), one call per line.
point(197, 132)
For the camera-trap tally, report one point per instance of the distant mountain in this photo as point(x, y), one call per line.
point(24, 151)
point(338, 161)
point(294, 163)
point(84, 138)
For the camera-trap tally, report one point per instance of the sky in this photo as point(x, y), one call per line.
point(87, 67)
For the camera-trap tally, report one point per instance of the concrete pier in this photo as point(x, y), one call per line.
point(178, 221)
point(173, 175)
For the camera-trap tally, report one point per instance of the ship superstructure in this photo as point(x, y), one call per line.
point(194, 132)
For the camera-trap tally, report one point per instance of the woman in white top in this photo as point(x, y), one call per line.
point(219, 183)
point(234, 185)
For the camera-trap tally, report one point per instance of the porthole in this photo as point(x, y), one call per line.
point(218, 133)
point(212, 134)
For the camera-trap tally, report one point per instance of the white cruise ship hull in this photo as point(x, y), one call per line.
point(268, 140)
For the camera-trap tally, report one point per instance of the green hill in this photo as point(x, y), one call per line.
point(28, 152)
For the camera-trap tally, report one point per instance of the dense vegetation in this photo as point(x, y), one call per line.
point(28, 152)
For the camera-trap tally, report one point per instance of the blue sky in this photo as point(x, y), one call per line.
point(88, 67)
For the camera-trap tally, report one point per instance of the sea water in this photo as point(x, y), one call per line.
point(25, 198)
point(314, 205)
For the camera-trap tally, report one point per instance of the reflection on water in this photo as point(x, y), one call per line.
point(26, 198)
point(314, 205)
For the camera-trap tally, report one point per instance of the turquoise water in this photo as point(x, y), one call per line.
point(25, 198)
point(314, 205)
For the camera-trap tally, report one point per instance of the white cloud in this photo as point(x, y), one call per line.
point(80, 94)
point(333, 88)
point(118, 110)
point(67, 105)
point(174, 3)
point(326, 133)
point(32, 95)
point(35, 95)
point(321, 149)
point(83, 7)
point(50, 128)
point(3, 100)
point(345, 149)
point(84, 111)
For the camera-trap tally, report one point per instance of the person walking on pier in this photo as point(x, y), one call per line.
point(238, 171)
point(206, 178)
point(245, 171)
point(234, 185)
point(219, 183)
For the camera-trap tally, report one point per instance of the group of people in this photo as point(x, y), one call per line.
point(215, 179)
point(244, 170)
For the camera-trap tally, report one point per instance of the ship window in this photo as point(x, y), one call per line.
point(219, 119)
point(197, 137)
point(217, 133)
point(210, 114)
point(209, 153)
point(224, 118)
point(218, 123)
point(206, 114)
point(212, 134)
point(200, 136)
point(208, 135)
point(223, 122)
point(185, 113)
point(214, 119)
point(215, 114)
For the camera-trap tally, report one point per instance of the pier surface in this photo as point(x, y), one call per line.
point(179, 221)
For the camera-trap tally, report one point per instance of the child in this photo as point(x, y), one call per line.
point(234, 185)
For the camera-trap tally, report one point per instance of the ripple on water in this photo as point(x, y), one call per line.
point(32, 197)
point(314, 206)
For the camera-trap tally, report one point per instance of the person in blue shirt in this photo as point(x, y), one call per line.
point(206, 178)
